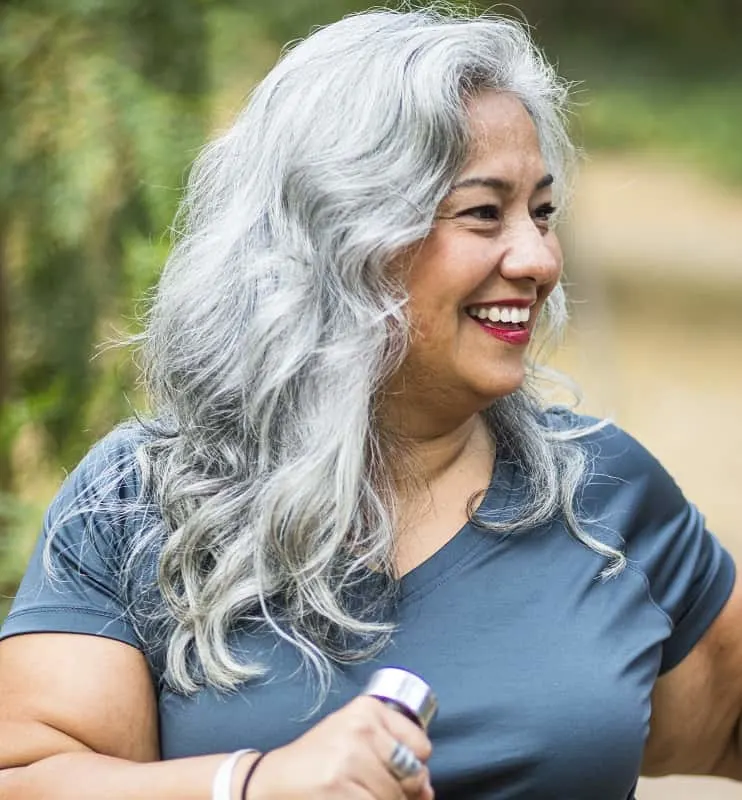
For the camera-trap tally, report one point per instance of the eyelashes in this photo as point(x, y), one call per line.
point(492, 213)
point(545, 211)
point(487, 213)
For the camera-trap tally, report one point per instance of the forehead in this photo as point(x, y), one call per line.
point(503, 134)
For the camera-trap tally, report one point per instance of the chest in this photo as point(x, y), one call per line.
point(543, 673)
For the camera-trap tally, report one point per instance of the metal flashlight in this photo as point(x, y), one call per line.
point(405, 692)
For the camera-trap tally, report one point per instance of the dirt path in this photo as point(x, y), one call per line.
point(631, 213)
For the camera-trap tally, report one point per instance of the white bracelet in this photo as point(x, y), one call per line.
point(221, 789)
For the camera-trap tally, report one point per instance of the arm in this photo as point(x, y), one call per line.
point(696, 723)
point(78, 721)
point(89, 776)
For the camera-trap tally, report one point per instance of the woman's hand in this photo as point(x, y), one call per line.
point(346, 757)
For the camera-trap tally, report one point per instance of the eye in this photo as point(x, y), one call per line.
point(544, 213)
point(487, 213)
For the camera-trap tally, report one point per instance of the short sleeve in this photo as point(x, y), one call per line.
point(76, 588)
point(689, 575)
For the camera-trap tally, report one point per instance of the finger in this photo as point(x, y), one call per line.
point(411, 772)
point(372, 776)
point(418, 786)
point(402, 762)
point(367, 746)
point(425, 793)
point(404, 730)
point(402, 765)
point(385, 729)
point(393, 771)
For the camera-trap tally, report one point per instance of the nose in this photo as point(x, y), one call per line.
point(531, 253)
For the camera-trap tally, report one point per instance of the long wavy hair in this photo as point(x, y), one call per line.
point(275, 325)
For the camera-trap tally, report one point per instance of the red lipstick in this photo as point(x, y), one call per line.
point(504, 332)
point(517, 334)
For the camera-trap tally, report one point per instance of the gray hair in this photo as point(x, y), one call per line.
point(275, 325)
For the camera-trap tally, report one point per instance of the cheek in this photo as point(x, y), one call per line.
point(436, 289)
point(430, 324)
point(434, 311)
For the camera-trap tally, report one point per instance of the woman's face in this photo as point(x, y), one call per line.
point(478, 281)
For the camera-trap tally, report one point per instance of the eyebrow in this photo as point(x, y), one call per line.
point(501, 185)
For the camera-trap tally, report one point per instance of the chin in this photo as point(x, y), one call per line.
point(503, 379)
point(502, 388)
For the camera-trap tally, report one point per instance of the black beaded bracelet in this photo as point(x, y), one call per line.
point(250, 773)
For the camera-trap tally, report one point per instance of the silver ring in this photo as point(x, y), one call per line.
point(403, 763)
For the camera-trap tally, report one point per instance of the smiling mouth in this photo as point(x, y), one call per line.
point(505, 316)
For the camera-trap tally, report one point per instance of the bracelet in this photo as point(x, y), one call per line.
point(221, 788)
point(250, 772)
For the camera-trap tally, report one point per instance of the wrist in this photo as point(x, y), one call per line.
point(247, 784)
point(225, 783)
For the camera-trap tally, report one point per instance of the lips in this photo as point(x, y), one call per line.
point(508, 332)
point(505, 320)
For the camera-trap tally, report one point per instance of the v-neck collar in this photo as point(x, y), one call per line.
point(469, 539)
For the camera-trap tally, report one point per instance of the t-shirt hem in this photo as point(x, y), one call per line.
point(58, 620)
point(691, 630)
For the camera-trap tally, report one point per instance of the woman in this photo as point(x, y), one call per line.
point(348, 466)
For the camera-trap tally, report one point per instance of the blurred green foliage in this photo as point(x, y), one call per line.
point(103, 104)
point(685, 39)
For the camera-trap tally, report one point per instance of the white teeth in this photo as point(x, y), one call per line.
point(499, 314)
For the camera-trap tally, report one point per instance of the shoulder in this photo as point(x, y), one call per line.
point(631, 501)
point(98, 512)
point(102, 492)
point(111, 464)
point(73, 579)
point(615, 459)
point(626, 489)
point(601, 438)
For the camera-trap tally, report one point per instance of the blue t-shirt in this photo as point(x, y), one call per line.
point(543, 671)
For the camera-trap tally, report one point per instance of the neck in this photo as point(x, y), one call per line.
point(425, 457)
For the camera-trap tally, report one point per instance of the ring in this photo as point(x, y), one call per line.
point(403, 763)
